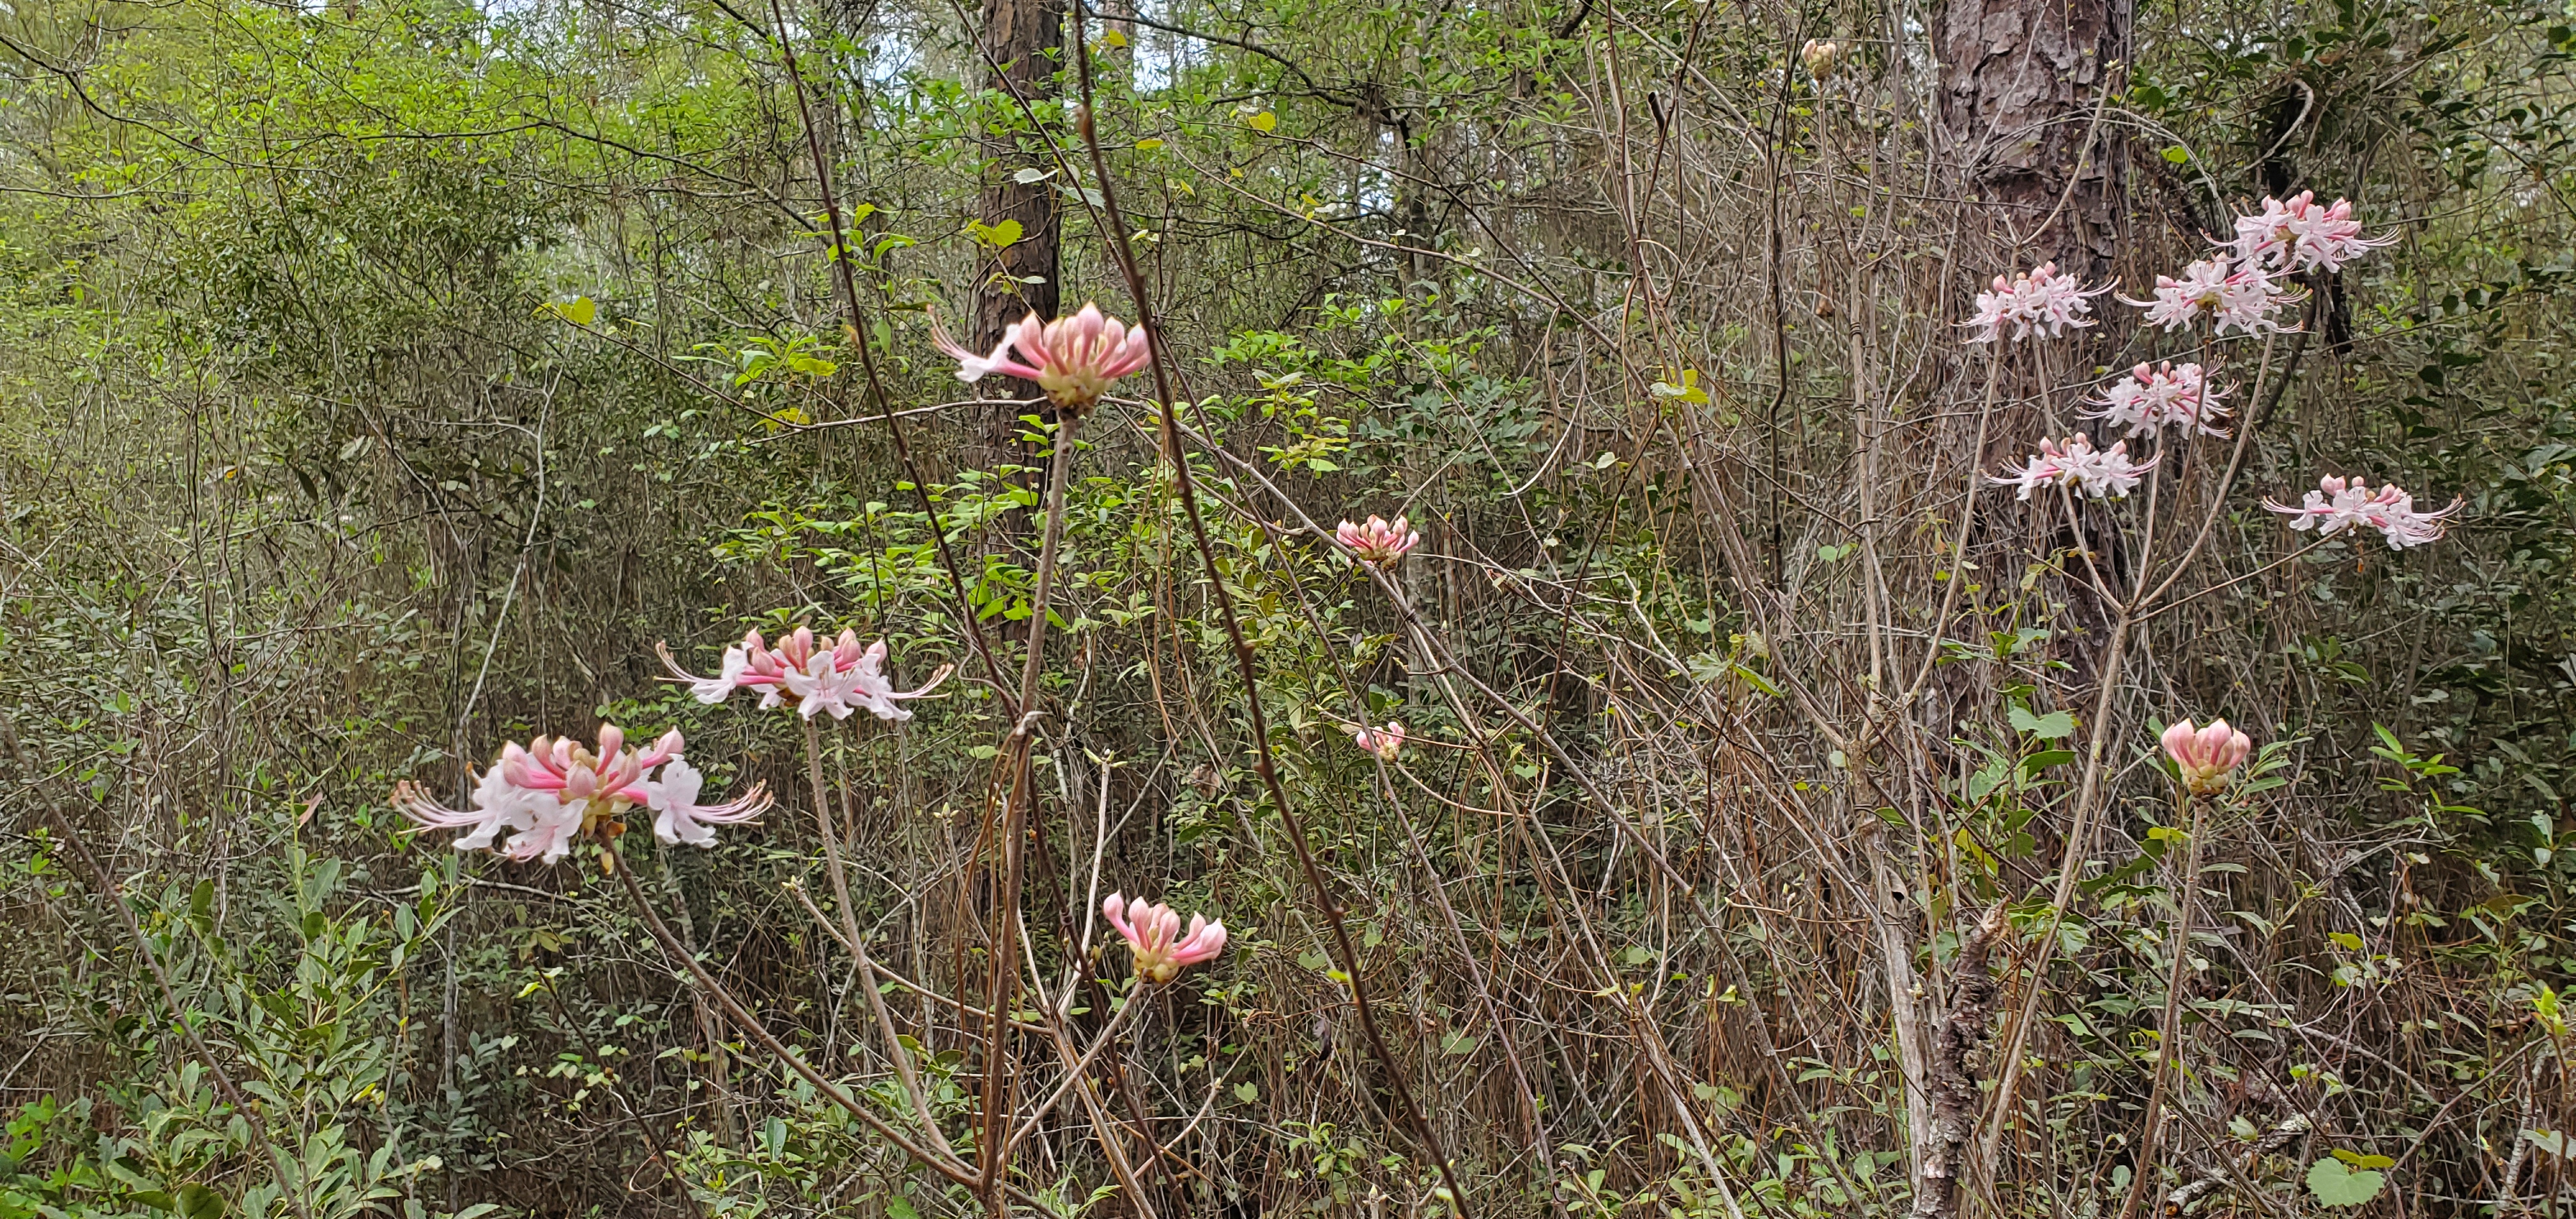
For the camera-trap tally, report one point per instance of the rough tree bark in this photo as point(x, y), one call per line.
point(1026, 38)
point(2022, 89)
point(2021, 84)
point(1953, 1082)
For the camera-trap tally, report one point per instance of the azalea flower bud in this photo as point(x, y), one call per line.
point(1378, 543)
point(2207, 758)
point(1073, 359)
point(1821, 57)
point(1385, 742)
point(1153, 935)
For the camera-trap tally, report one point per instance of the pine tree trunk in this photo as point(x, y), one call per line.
point(1026, 38)
point(2021, 84)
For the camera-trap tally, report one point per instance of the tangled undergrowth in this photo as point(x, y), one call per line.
point(1701, 611)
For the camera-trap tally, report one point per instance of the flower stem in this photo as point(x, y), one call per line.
point(2169, 1038)
point(1015, 817)
point(944, 1165)
point(858, 943)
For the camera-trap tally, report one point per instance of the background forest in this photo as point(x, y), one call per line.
point(1777, 823)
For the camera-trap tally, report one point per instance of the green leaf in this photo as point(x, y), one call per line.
point(995, 235)
point(199, 1202)
point(2336, 1185)
point(580, 310)
point(1247, 1092)
point(1264, 121)
point(2049, 727)
point(2046, 758)
point(1757, 681)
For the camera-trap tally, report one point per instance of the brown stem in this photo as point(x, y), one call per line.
point(2169, 1030)
point(857, 943)
point(1000, 1066)
point(1264, 764)
point(849, 285)
point(944, 1165)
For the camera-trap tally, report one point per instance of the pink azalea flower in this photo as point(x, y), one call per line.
point(1153, 934)
point(2149, 398)
point(1378, 543)
point(2339, 504)
point(2245, 297)
point(840, 679)
point(2207, 759)
point(2039, 300)
point(678, 815)
point(2100, 473)
point(498, 805)
point(2302, 234)
point(554, 792)
point(1073, 359)
point(1385, 742)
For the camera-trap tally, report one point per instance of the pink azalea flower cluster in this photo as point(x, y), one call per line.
point(2039, 300)
point(2150, 398)
point(2240, 296)
point(1073, 359)
point(1387, 743)
point(1378, 543)
point(2206, 758)
point(2240, 286)
point(2099, 473)
point(554, 792)
point(2339, 504)
point(840, 679)
point(2302, 235)
point(1153, 935)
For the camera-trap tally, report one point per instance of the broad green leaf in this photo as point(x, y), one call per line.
point(2336, 1185)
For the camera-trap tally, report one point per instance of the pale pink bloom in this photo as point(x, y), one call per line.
point(498, 805)
point(2100, 473)
point(840, 679)
point(2301, 234)
point(678, 817)
point(1073, 359)
point(1153, 934)
point(1378, 543)
point(2149, 398)
point(549, 837)
point(2242, 296)
point(1385, 742)
point(2339, 504)
point(554, 791)
point(2207, 759)
point(2039, 300)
